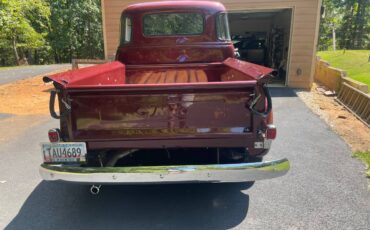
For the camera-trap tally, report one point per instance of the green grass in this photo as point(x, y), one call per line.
point(354, 62)
point(365, 157)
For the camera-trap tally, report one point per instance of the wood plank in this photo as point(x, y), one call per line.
point(144, 77)
point(153, 79)
point(182, 76)
point(162, 77)
point(193, 76)
point(201, 76)
point(171, 76)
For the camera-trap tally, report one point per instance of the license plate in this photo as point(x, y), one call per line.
point(64, 152)
point(266, 144)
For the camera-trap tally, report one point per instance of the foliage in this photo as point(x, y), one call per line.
point(351, 22)
point(23, 21)
point(329, 20)
point(47, 31)
point(355, 28)
point(23, 24)
point(76, 30)
point(354, 62)
point(6, 57)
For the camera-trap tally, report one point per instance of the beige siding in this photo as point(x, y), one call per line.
point(303, 35)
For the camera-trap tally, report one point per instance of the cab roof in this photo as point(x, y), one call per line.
point(170, 5)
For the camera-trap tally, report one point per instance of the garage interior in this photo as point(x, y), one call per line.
point(262, 37)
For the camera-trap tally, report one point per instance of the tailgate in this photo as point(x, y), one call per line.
point(209, 110)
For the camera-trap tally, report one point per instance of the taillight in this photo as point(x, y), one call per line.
point(271, 132)
point(54, 135)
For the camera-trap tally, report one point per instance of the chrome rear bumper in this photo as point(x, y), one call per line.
point(241, 172)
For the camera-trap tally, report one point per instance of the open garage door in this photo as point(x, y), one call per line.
point(263, 37)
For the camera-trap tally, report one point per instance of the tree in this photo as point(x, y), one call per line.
point(330, 20)
point(45, 31)
point(361, 24)
point(75, 29)
point(22, 25)
point(355, 23)
point(350, 18)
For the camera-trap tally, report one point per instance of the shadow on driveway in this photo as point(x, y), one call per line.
point(183, 206)
point(282, 92)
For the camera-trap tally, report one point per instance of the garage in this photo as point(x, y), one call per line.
point(263, 37)
point(280, 34)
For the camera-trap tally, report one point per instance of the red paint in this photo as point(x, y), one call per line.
point(207, 6)
point(203, 48)
point(247, 68)
point(101, 75)
point(109, 112)
point(116, 74)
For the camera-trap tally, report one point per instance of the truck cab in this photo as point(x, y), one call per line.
point(173, 33)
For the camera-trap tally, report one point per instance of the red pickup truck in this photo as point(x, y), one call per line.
point(176, 106)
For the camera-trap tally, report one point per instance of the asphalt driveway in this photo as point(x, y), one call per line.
point(325, 188)
point(8, 75)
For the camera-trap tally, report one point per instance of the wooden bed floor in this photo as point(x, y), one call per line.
point(167, 76)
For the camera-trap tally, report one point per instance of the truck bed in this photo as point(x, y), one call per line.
point(196, 105)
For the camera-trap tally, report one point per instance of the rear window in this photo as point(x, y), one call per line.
point(167, 24)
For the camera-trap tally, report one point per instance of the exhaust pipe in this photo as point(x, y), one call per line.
point(112, 162)
point(95, 189)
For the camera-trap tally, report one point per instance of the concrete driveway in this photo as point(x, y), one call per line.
point(11, 74)
point(325, 189)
